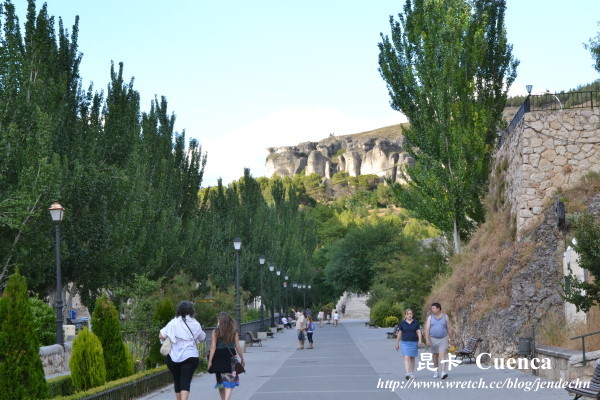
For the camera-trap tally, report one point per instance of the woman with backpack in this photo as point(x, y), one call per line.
point(309, 332)
point(184, 332)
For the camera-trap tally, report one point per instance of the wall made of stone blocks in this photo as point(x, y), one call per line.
point(548, 150)
point(55, 358)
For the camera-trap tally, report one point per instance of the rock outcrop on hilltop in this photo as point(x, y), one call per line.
point(379, 152)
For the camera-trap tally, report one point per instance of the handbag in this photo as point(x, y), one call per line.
point(165, 349)
point(236, 366)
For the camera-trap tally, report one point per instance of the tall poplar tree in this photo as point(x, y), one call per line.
point(448, 67)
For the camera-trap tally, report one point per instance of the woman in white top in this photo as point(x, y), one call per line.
point(184, 332)
point(320, 316)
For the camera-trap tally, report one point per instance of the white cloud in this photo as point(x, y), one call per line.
point(246, 147)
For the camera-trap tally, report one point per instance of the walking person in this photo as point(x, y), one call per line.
point(336, 318)
point(309, 332)
point(343, 310)
point(224, 347)
point(300, 328)
point(438, 333)
point(183, 359)
point(320, 316)
point(409, 334)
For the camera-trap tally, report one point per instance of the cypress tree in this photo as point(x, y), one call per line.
point(105, 323)
point(164, 313)
point(87, 361)
point(21, 370)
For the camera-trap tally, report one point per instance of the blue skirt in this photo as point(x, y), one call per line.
point(410, 349)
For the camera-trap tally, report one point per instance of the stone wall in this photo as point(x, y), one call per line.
point(55, 358)
point(548, 150)
point(567, 364)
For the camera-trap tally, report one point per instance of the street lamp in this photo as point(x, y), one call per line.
point(237, 245)
point(56, 212)
point(272, 268)
point(304, 295)
point(285, 296)
point(261, 261)
point(529, 87)
point(279, 290)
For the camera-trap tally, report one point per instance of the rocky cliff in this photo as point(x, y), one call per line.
point(379, 152)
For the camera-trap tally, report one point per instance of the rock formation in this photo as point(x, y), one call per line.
point(379, 152)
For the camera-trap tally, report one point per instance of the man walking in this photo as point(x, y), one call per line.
point(438, 331)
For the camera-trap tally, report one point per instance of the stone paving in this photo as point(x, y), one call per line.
point(355, 362)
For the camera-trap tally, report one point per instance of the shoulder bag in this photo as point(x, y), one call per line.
point(236, 366)
point(165, 349)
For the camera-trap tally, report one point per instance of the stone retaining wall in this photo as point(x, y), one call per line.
point(55, 358)
point(547, 150)
point(567, 364)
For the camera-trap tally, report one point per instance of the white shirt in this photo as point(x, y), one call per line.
point(336, 316)
point(284, 320)
point(320, 315)
point(301, 322)
point(184, 344)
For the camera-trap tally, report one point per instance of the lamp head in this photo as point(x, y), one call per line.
point(237, 243)
point(56, 212)
point(529, 87)
point(271, 268)
point(262, 259)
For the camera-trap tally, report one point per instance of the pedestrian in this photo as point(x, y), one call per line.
point(225, 346)
point(300, 328)
point(336, 318)
point(183, 359)
point(309, 332)
point(409, 332)
point(320, 318)
point(438, 332)
point(328, 315)
point(343, 310)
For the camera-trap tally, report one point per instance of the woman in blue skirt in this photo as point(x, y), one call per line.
point(410, 335)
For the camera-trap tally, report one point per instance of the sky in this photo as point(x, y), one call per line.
point(245, 75)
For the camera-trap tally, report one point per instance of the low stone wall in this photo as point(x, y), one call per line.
point(548, 150)
point(55, 358)
point(567, 364)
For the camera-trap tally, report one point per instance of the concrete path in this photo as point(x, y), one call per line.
point(354, 362)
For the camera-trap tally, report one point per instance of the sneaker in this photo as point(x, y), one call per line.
point(444, 375)
point(407, 377)
point(412, 376)
point(435, 374)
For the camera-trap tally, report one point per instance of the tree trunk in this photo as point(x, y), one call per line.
point(456, 238)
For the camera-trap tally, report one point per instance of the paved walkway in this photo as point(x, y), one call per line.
point(353, 362)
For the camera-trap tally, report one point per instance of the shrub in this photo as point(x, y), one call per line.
point(21, 370)
point(164, 313)
point(61, 386)
point(383, 309)
point(87, 361)
point(390, 321)
point(105, 322)
point(44, 320)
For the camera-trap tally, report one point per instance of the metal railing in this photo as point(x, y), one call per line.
point(525, 107)
point(582, 337)
point(565, 101)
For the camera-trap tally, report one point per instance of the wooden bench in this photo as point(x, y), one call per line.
point(592, 392)
point(270, 334)
point(469, 349)
point(371, 325)
point(253, 339)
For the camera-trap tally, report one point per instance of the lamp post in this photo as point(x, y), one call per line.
point(309, 296)
point(294, 286)
point(304, 295)
point(279, 291)
point(237, 245)
point(56, 212)
point(272, 268)
point(261, 261)
point(527, 103)
point(285, 296)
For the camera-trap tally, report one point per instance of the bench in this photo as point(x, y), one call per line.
point(592, 392)
point(469, 349)
point(253, 339)
point(279, 328)
point(392, 334)
point(270, 334)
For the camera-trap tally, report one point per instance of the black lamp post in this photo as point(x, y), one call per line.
point(56, 212)
point(279, 291)
point(294, 286)
point(272, 268)
point(285, 296)
point(261, 260)
point(309, 294)
point(527, 103)
point(304, 295)
point(237, 245)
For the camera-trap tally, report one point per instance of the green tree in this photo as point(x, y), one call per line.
point(44, 319)
point(585, 294)
point(105, 323)
point(87, 361)
point(594, 47)
point(448, 67)
point(21, 370)
point(162, 315)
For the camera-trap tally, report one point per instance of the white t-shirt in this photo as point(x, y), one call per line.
point(336, 316)
point(184, 345)
point(301, 322)
point(320, 315)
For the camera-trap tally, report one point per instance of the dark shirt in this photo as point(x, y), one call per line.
point(409, 331)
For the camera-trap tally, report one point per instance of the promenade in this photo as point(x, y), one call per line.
point(354, 362)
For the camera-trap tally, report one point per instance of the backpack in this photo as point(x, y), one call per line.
point(311, 327)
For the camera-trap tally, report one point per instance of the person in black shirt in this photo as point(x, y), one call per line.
point(409, 333)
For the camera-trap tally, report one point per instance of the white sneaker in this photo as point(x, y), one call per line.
point(435, 374)
point(412, 376)
point(444, 375)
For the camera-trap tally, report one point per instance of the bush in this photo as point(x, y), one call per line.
point(105, 323)
point(44, 320)
point(391, 321)
point(61, 386)
point(21, 370)
point(383, 309)
point(164, 313)
point(87, 361)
